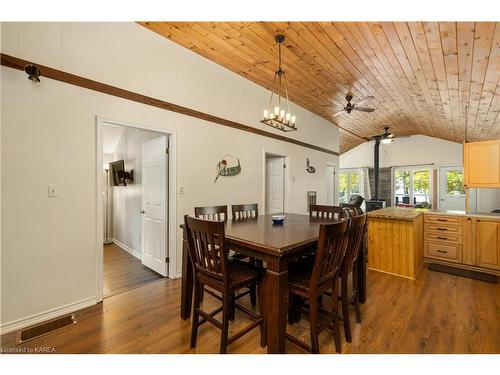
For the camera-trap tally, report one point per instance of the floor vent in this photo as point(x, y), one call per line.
point(45, 328)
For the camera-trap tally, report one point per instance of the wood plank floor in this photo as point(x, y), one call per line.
point(437, 313)
point(123, 271)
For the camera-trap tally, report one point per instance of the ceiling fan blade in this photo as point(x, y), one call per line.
point(338, 113)
point(364, 109)
point(367, 98)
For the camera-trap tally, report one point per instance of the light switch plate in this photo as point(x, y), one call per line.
point(53, 192)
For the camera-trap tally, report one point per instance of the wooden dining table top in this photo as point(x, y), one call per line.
point(260, 234)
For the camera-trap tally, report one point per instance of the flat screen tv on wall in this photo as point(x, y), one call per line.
point(117, 173)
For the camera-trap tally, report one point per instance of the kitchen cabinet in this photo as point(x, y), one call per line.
point(470, 242)
point(488, 243)
point(482, 164)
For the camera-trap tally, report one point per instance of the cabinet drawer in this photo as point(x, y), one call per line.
point(444, 228)
point(443, 237)
point(438, 219)
point(449, 252)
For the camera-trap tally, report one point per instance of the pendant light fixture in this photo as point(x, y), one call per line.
point(278, 114)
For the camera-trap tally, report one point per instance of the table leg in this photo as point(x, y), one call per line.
point(362, 266)
point(276, 304)
point(186, 282)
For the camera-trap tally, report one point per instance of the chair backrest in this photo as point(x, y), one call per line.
point(333, 213)
point(206, 246)
point(211, 213)
point(357, 230)
point(330, 253)
point(245, 211)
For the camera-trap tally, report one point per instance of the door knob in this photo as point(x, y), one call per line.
point(142, 212)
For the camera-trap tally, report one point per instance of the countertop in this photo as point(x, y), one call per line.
point(462, 213)
point(411, 214)
point(398, 213)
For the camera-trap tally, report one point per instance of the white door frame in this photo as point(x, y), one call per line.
point(285, 183)
point(171, 176)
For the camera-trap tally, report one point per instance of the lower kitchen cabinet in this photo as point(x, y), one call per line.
point(475, 245)
point(488, 243)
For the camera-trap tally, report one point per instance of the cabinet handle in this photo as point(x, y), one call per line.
point(478, 220)
point(469, 219)
point(442, 251)
point(442, 229)
point(442, 220)
point(442, 238)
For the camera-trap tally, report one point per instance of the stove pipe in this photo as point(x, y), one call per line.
point(376, 165)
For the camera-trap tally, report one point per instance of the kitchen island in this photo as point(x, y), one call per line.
point(395, 238)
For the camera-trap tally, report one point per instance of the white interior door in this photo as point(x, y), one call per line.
point(451, 188)
point(154, 204)
point(275, 185)
point(330, 185)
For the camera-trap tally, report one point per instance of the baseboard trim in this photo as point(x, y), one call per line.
point(46, 315)
point(128, 249)
point(178, 275)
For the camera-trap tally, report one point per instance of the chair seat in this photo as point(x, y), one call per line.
point(243, 273)
point(299, 273)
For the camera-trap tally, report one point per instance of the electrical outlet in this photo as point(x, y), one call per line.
point(53, 191)
point(181, 190)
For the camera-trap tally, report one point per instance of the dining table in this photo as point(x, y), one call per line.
point(276, 245)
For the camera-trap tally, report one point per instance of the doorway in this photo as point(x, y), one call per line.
point(136, 201)
point(451, 188)
point(275, 166)
point(331, 191)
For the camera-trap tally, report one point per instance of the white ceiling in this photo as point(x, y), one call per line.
point(111, 135)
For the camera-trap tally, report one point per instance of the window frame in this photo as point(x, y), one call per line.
point(350, 172)
point(412, 169)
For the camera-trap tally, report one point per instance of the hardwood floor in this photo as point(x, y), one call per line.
point(437, 313)
point(122, 271)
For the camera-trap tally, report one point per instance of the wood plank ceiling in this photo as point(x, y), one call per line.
point(431, 78)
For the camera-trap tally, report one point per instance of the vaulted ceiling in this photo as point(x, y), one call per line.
point(431, 78)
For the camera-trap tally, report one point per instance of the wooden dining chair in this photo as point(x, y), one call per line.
point(310, 280)
point(212, 267)
point(211, 212)
point(333, 213)
point(356, 237)
point(219, 213)
point(245, 211)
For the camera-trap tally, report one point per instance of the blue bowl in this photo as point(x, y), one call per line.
point(278, 219)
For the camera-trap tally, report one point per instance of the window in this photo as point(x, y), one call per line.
point(412, 185)
point(455, 183)
point(349, 183)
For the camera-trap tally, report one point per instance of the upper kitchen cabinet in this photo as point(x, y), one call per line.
point(482, 164)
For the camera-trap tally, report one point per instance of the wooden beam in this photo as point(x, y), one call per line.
point(72, 79)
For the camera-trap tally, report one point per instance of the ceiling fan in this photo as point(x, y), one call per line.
point(354, 107)
point(385, 137)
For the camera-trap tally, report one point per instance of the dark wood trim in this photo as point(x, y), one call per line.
point(72, 79)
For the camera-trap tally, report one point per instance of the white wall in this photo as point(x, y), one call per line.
point(420, 149)
point(417, 149)
point(127, 200)
point(49, 137)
